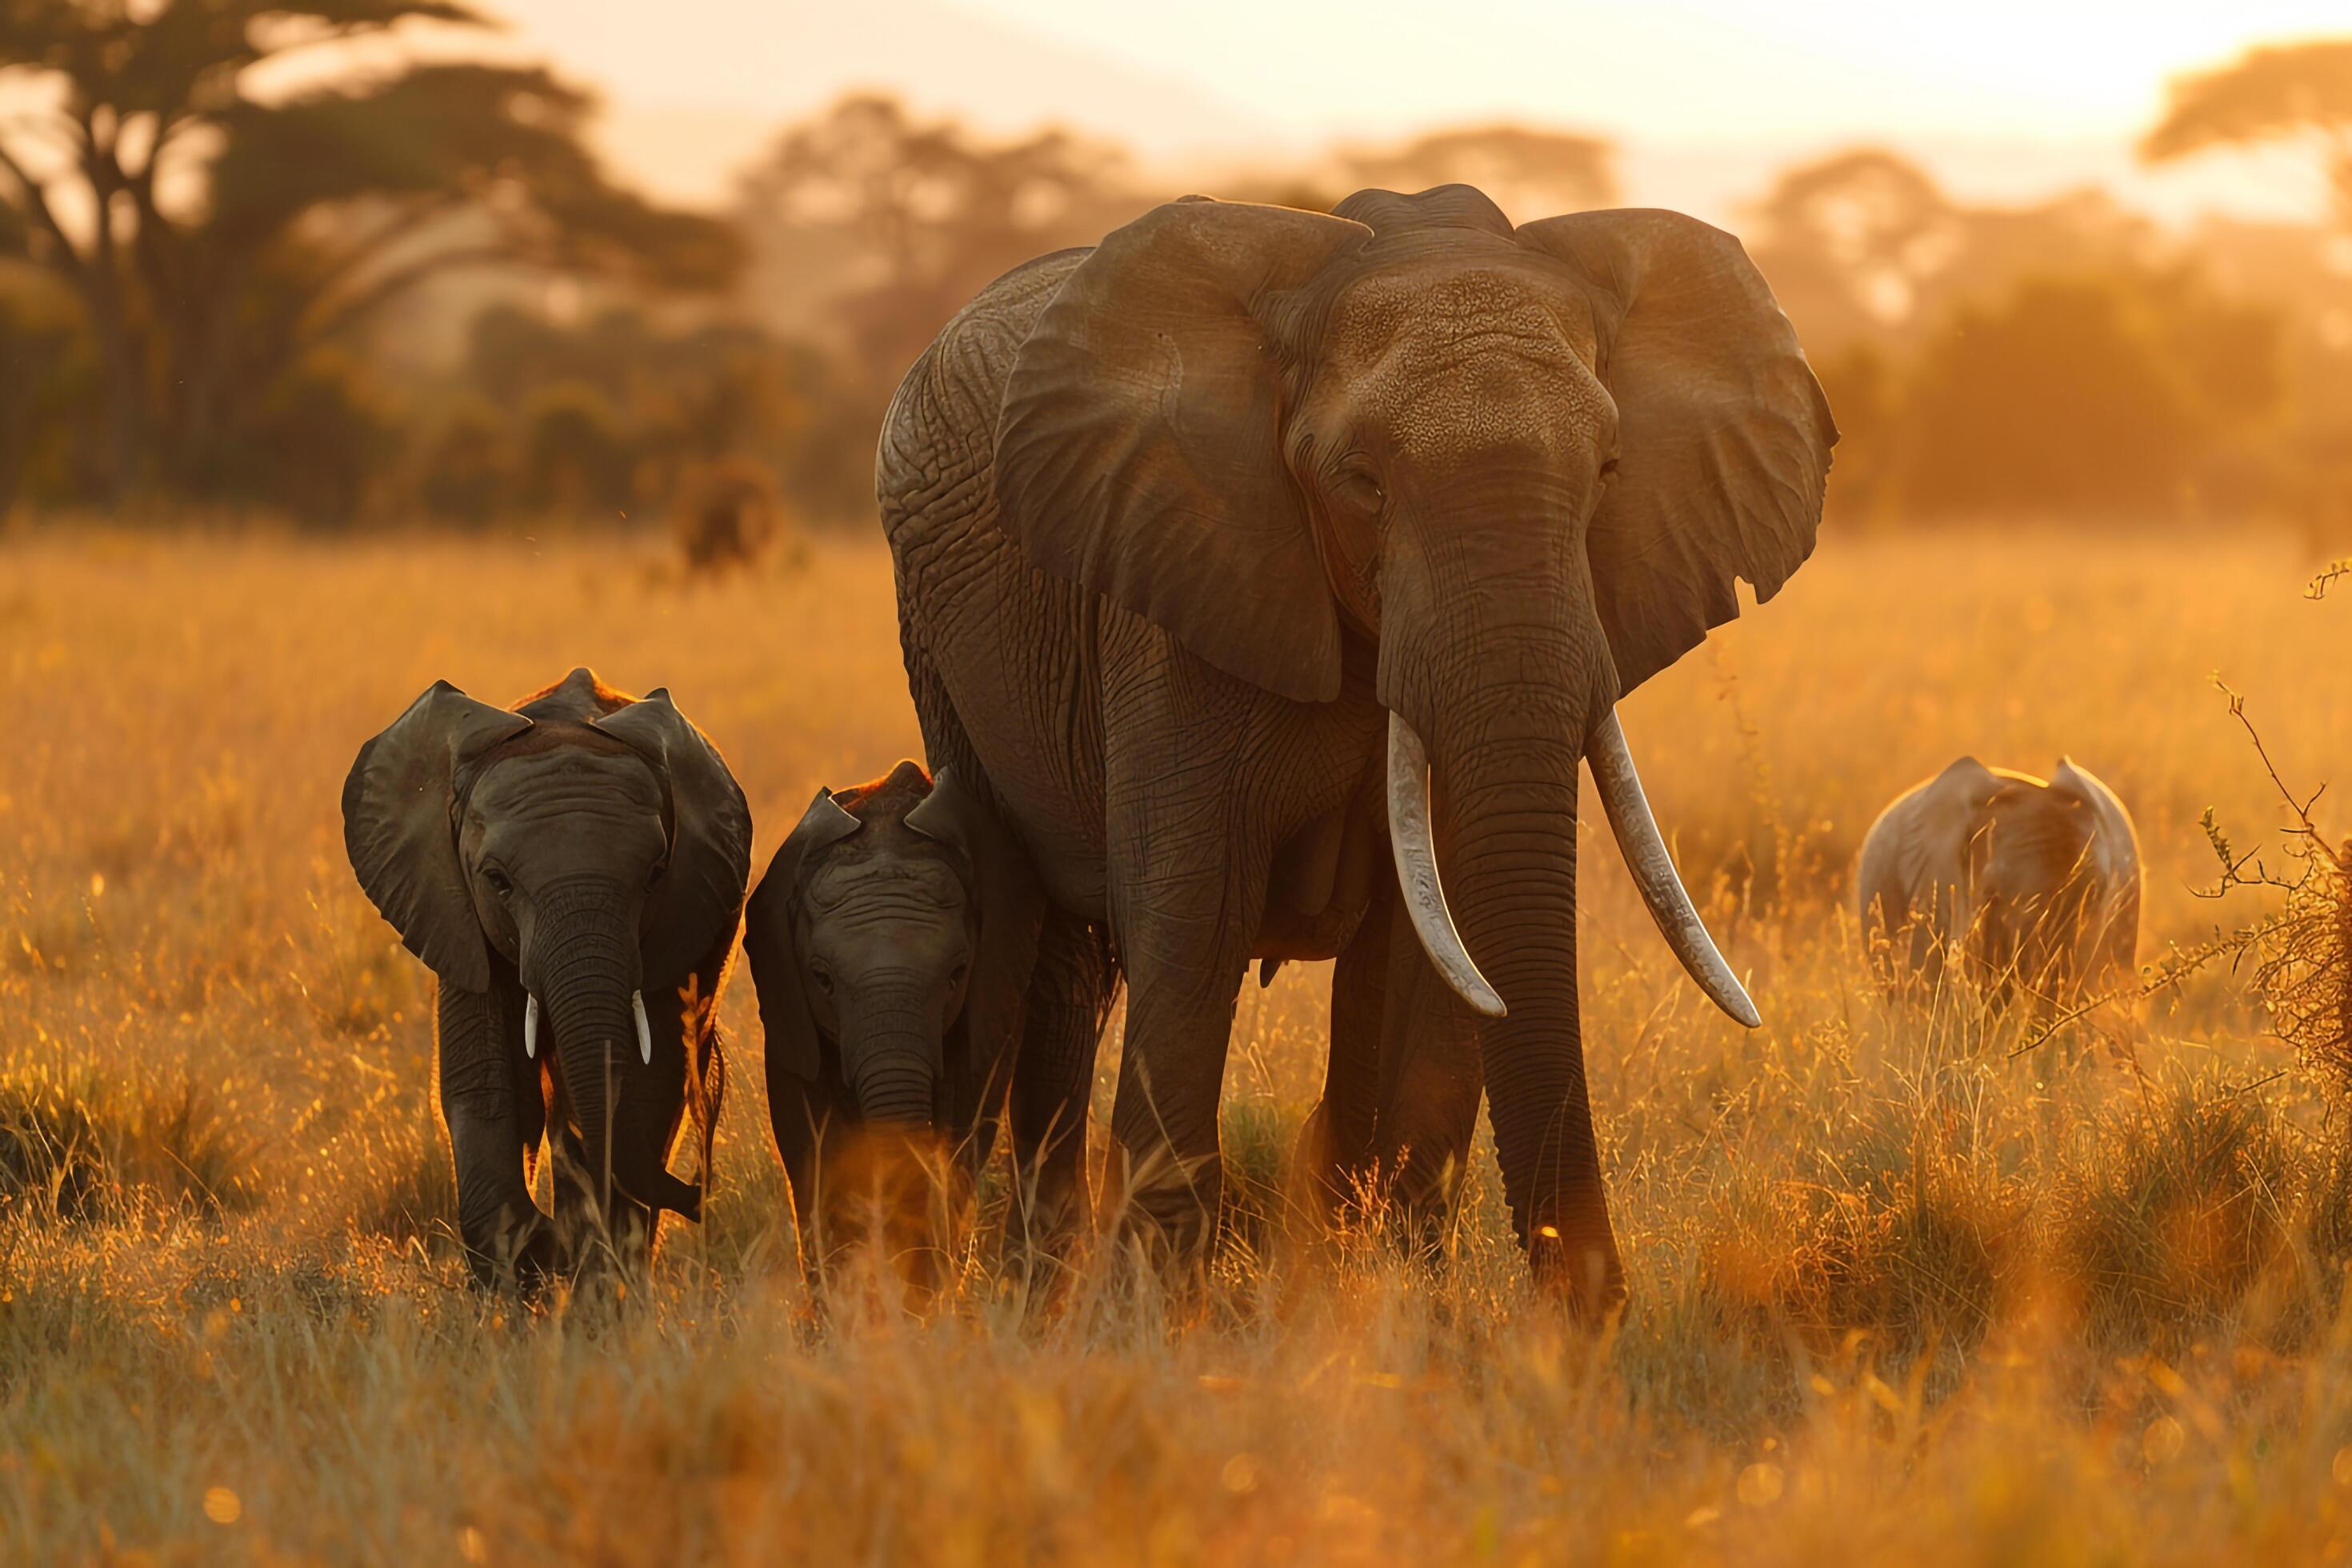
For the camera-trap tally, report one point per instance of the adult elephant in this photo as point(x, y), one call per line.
point(1254, 545)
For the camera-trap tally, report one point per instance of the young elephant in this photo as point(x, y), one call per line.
point(572, 872)
point(2037, 882)
point(893, 940)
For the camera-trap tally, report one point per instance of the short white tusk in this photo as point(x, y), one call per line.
point(1416, 868)
point(1644, 849)
point(530, 1029)
point(645, 1027)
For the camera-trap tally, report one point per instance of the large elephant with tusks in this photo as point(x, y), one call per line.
point(1273, 570)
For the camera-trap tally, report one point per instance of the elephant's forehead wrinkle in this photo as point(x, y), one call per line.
point(879, 889)
point(1476, 363)
point(572, 779)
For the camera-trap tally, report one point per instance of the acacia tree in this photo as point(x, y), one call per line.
point(2277, 92)
point(215, 241)
point(917, 215)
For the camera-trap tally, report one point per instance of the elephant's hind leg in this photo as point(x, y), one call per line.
point(1052, 1082)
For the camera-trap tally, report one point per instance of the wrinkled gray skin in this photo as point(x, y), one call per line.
point(1182, 521)
point(582, 847)
point(893, 939)
point(2034, 884)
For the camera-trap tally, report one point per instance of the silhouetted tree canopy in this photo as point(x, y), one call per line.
point(217, 242)
point(2276, 92)
point(910, 219)
point(2097, 395)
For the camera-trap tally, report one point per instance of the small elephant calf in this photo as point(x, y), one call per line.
point(572, 869)
point(894, 941)
point(2037, 884)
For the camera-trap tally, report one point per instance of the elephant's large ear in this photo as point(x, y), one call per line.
point(1139, 449)
point(1951, 818)
point(773, 947)
point(1012, 913)
point(700, 896)
point(1723, 437)
point(2116, 848)
point(399, 836)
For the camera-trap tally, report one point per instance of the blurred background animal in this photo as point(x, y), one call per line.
point(2034, 883)
point(728, 516)
point(572, 869)
point(893, 939)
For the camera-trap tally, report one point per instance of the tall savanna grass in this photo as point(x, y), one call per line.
point(1909, 1282)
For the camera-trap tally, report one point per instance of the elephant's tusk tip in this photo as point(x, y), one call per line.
point(645, 1027)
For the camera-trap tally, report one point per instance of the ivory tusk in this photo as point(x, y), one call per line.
point(1416, 866)
point(531, 1028)
point(1645, 849)
point(645, 1027)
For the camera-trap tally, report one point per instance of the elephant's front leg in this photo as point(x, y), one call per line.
point(1431, 1080)
point(507, 1239)
point(1333, 1157)
point(1400, 1095)
point(612, 1216)
point(1188, 872)
point(1053, 1083)
point(806, 1118)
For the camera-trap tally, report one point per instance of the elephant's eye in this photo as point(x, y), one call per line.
point(961, 970)
point(1359, 488)
point(661, 869)
point(823, 977)
point(500, 883)
point(1609, 470)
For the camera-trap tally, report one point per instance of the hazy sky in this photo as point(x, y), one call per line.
point(2004, 96)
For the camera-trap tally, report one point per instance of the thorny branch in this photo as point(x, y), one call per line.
point(2303, 953)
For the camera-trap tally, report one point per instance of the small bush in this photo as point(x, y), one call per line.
point(2180, 1213)
point(74, 1150)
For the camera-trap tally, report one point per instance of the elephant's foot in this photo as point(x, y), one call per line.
point(516, 1251)
point(1579, 1266)
point(614, 1249)
point(1164, 1206)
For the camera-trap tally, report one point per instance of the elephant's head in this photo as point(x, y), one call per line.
point(591, 847)
point(1524, 464)
point(891, 940)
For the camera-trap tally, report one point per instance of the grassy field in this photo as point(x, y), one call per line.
point(1899, 1292)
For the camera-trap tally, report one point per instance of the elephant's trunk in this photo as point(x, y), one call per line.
point(582, 965)
point(1504, 777)
point(890, 1045)
point(1494, 655)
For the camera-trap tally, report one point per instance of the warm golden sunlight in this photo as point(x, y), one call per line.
point(759, 808)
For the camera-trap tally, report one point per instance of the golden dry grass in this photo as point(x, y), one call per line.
point(1898, 1294)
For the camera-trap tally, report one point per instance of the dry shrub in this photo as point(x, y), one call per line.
point(2179, 1214)
point(2305, 972)
point(1916, 1255)
point(74, 1148)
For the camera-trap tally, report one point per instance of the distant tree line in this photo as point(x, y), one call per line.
point(416, 295)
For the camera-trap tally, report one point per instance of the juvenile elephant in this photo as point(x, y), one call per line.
point(894, 942)
point(2036, 884)
point(1258, 563)
point(571, 870)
